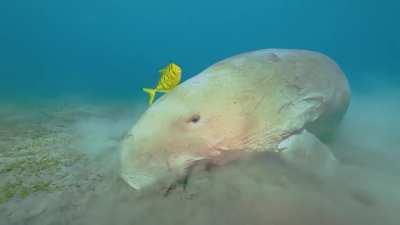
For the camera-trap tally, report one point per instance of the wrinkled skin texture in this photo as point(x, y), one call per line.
point(253, 102)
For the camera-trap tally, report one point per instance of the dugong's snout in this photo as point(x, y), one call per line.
point(140, 167)
point(139, 173)
point(137, 180)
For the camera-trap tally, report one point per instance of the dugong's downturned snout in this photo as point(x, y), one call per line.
point(155, 150)
point(136, 179)
point(137, 169)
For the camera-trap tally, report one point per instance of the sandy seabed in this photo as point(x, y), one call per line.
point(59, 165)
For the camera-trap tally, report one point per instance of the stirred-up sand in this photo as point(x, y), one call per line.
point(59, 165)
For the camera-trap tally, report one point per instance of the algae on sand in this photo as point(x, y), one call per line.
point(36, 152)
point(51, 161)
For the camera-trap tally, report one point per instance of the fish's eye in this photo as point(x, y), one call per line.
point(194, 119)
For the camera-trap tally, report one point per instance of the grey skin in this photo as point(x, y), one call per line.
point(272, 100)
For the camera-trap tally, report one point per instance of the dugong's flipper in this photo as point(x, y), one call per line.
point(306, 152)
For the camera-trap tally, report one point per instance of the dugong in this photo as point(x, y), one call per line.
point(272, 100)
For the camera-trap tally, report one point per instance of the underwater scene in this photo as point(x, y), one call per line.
point(200, 112)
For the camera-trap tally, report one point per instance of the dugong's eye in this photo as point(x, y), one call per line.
point(194, 118)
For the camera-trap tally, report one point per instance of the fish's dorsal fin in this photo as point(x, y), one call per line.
point(161, 71)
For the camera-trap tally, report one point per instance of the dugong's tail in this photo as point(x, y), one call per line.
point(152, 94)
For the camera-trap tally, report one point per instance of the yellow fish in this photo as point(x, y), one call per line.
point(170, 78)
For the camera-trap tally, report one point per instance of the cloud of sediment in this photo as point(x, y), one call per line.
point(364, 191)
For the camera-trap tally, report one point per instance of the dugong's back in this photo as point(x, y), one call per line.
point(290, 84)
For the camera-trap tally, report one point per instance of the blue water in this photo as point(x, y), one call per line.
point(113, 48)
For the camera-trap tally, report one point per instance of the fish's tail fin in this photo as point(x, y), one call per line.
point(152, 94)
